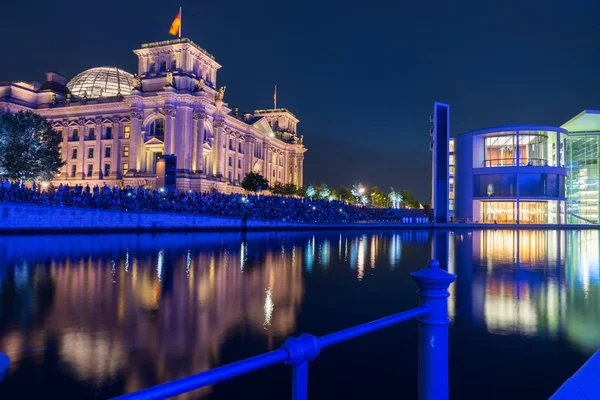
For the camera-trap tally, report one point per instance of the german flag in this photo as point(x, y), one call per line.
point(176, 25)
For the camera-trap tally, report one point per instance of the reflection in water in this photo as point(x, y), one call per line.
point(531, 283)
point(131, 311)
point(166, 314)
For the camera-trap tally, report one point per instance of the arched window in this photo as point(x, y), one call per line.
point(157, 128)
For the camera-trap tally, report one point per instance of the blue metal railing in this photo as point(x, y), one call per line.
point(432, 315)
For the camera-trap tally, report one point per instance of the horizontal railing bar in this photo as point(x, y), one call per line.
point(242, 367)
point(356, 331)
point(209, 377)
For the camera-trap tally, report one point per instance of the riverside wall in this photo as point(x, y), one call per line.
point(28, 218)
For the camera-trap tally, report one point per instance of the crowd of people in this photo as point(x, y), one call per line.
point(289, 209)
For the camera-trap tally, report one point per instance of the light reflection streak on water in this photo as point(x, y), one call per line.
point(188, 263)
point(269, 306)
point(127, 260)
point(361, 257)
point(395, 253)
point(160, 264)
point(325, 254)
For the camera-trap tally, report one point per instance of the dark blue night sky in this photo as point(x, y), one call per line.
point(361, 76)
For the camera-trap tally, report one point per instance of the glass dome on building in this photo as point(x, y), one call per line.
point(101, 82)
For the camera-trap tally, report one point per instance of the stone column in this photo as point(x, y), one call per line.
point(224, 148)
point(269, 164)
point(200, 117)
point(301, 171)
point(97, 169)
point(135, 136)
point(234, 157)
point(65, 150)
point(170, 114)
point(286, 171)
point(217, 148)
point(249, 156)
point(195, 140)
point(114, 148)
point(189, 135)
point(81, 147)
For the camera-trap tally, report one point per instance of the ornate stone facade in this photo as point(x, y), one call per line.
point(172, 105)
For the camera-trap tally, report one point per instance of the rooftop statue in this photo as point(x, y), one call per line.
point(200, 85)
point(135, 82)
point(221, 93)
point(170, 81)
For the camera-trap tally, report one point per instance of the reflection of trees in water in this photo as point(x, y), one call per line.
point(533, 283)
point(144, 318)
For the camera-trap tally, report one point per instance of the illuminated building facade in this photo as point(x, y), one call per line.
point(511, 174)
point(116, 124)
point(583, 188)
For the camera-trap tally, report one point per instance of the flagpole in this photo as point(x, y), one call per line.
point(275, 99)
point(180, 21)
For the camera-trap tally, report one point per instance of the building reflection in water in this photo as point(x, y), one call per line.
point(148, 309)
point(530, 283)
point(163, 313)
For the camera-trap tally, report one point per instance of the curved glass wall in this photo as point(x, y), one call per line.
point(525, 148)
point(541, 185)
point(494, 185)
point(530, 185)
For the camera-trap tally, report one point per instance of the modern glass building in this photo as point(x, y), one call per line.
point(583, 148)
point(524, 174)
point(510, 174)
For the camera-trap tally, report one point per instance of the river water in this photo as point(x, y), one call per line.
point(94, 316)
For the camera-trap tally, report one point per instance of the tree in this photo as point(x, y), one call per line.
point(409, 200)
point(255, 182)
point(378, 198)
point(345, 194)
point(324, 191)
point(290, 189)
point(310, 191)
point(301, 192)
point(395, 198)
point(286, 190)
point(28, 147)
point(358, 192)
point(277, 188)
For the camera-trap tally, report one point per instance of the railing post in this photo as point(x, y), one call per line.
point(301, 350)
point(300, 381)
point(433, 284)
point(4, 364)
